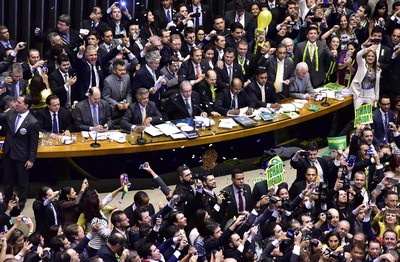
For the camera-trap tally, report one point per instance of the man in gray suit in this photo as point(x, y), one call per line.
point(117, 91)
point(92, 114)
point(301, 87)
point(170, 71)
point(13, 82)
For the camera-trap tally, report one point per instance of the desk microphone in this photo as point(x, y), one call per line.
point(325, 103)
point(95, 144)
point(141, 140)
point(287, 99)
point(209, 123)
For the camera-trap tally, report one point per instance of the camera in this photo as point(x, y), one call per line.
point(328, 215)
point(197, 176)
point(316, 19)
point(322, 191)
point(292, 23)
point(291, 232)
point(272, 199)
point(314, 242)
point(225, 194)
point(304, 153)
point(285, 203)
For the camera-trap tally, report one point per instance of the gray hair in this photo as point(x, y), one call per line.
point(185, 83)
point(152, 57)
point(51, 36)
point(17, 67)
point(141, 91)
point(301, 65)
point(90, 48)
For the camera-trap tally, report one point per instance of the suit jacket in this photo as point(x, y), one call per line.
point(288, 72)
point(106, 254)
point(82, 115)
point(247, 73)
point(232, 206)
point(203, 88)
point(56, 82)
point(11, 87)
point(160, 17)
point(296, 188)
point(129, 212)
point(324, 54)
point(187, 71)
point(87, 24)
point(207, 16)
point(230, 18)
point(74, 39)
point(46, 120)
point(124, 25)
point(254, 93)
point(379, 129)
point(143, 78)
point(303, 163)
point(223, 77)
point(299, 87)
point(176, 108)
point(21, 145)
point(172, 80)
point(113, 94)
point(133, 115)
point(44, 215)
point(84, 72)
point(259, 189)
point(224, 100)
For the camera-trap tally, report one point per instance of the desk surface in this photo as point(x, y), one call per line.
point(206, 136)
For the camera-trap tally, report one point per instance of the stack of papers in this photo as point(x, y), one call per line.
point(168, 128)
point(153, 131)
point(228, 123)
point(243, 112)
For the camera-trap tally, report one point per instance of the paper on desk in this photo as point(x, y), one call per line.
point(329, 93)
point(158, 83)
point(289, 107)
point(100, 136)
point(227, 123)
point(85, 134)
point(153, 131)
point(178, 136)
point(207, 121)
point(168, 128)
point(116, 135)
point(243, 112)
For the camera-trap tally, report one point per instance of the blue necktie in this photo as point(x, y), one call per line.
point(95, 116)
point(168, 16)
point(55, 126)
point(16, 123)
point(197, 17)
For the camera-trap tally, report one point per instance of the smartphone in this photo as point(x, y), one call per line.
point(316, 19)
point(197, 14)
point(376, 41)
point(304, 153)
point(94, 10)
point(393, 181)
point(325, 4)
point(351, 160)
point(14, 197)
point(143, 166)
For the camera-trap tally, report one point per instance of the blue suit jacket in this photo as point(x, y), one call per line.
point(377, 126)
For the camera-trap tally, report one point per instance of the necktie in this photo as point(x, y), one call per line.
point(213, 93)
point(230, 74)
point(95, 115)
point(92, 26)
point(54, 213)
point(278, 79)
point(240, 198)
point(55, 125)
point(233, 102)
point(197, 18)
point(8, 45)
point(314, 164)
point(64, 39)
point(117, 29)
point(68, 104)
point(16, 90)
point(94, 82)
point(120, 83)
point(239, 17)
point(198, 72)
point(143, 115)
point(154, 76)
point(189, 109)
point(168, 16)
point(16, 123)
point(312, 49)
point(271, 6)
point(262, 89)
point(386, 125)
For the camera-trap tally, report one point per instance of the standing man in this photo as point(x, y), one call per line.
point(381, 119)
point(203, 15)
point(13, 82)
point(20, 148)
point(230, 69)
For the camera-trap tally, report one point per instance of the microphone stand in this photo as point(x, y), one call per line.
point(325, 103)
point(141, 140)
point(95, 144)
point(287, 99)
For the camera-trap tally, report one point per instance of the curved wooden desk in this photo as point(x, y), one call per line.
point(206, 136)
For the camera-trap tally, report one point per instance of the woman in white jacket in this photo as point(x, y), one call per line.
point(365, 85)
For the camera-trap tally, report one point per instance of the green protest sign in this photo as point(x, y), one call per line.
point(363, 115)
point(275, 172)
point(337, 142)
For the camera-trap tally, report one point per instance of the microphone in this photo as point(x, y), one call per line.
point(287, 99)
point(325, 103)
point(141, 140)
point(95, 144)
point(209, 123)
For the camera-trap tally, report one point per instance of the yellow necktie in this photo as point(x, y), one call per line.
point(143, 115)
point(318, 176)
point(312, 49)
point(277, 77)
point(213, 94)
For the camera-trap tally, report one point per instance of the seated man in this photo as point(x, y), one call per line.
point(301, 87)
point(54, 118)
point(186, 104)
point(262, 92)
point(230, 100)
point(141, 113)
point(92, 114)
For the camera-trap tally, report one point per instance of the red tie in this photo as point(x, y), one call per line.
point(240, 201)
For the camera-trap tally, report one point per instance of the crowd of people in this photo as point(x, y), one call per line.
point(180, 61)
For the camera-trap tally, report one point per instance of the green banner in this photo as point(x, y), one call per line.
point(337, 142)
point(275, 172)
point(363, 115)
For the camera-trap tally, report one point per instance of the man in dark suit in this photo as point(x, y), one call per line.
point(243, 58)
point(206, 15)
point(208, 88)
point(165, 14)
point(280, 71)
point(240, 194)
point(121, 223)
point(231, 99)
point(315, 53)
point(238, 15)
point(186, 104)
point(262, 93)
point(147, 76)
point(136, 43)
point(172, 49)
point(393, 78)
point(383, 56)
point(230, 69)
point(34, 65)
point(5, 42)
point(141, 113)
point(118, 23)
point(92, 114)
point(235, 36)
point(94, 22)
point(117, 91)
point(13, 82)
point(90, 69)
point(54, 118)
point(140, 199)
point(381, 119)
point(62, 82)
point(193, 70)
point(310, 158)
point(115, 243)
point(20, 148)
point(298, 186)
point(189, 41)
point(170, 71)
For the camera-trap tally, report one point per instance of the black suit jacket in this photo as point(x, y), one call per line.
point(44, 216)
point(133, 115)
point(56, 82)
point(21, 145)
point(187, 71)
point(223, 78)
point(224, 100)
point(203, 88)
point(254, 93)
point(296, 189)
point(259, 189)
point(143, 78)
point(176, 108)
point(288, 72)
point(207, 16)
point(232, 206)
point(87, 24)
point(106, 254)
point(46, 120)
point(377, 126)
point(230, 18)
point(303, 163)
point(124, 25)
point(160, 17)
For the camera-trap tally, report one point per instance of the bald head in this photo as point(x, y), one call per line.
point(211, 77)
